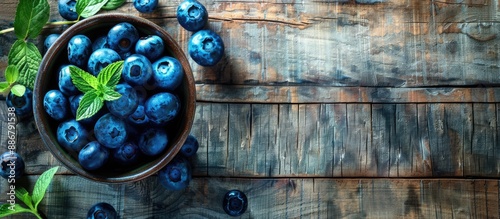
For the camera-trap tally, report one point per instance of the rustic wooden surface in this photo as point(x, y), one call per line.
point(321, 109)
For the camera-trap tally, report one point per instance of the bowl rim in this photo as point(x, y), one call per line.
point(52, 54)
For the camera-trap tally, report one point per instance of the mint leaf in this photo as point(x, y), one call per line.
point(110, 75)
point(87, 8)
point(8, 209)
point(11, 74)
point(42, 184)
point(83, 80)
point(90, 104)
point(18, 90)
point(24, 196)
point(110, 95)
point(31, 16)
point(113, 4)
point(26, 57)
point(4, 85)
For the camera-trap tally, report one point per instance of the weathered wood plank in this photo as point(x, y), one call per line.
point(358, 159)
point(70, 197)
point(263, 139)
point(286, 141)
point(384, 138)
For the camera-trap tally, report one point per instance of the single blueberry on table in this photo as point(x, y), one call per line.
point(66, 85)
point(101, 58)
point(145, 6)
point(102, 210)
point(67, 9)
point(110, 131)
point(168, 73)
point(192, 15)
point(93, 156)
point(72, 135)
point(49, 41)
point(127, 154)
point(122, 37)
point(176, 175)
point(12, 165)
point(126, 104)
point(235, 203)
point(137, 69)
point(56, 105)
point(79, 50)
point(190, 146)
point(153, 141)
point(162, 108)
point(151, 46)
point(206, 48)
point(22, 105)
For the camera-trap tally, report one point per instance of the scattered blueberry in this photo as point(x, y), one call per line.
point(206, 47)
point(151, 46)
point(102, 210)
point(126, 104)
point(110, 131)
point(176, 175)
point(137, 69)
point(79, 50)
point(49, 41)
point(66, 85)
point(127, 154)
point(167, 73)
point(56, 104)
point(192, 15)
point(67, 9)
point(93, 156)
point(101, 58)
point(190, 146)
point(12, 165)
point(23, 105)
point(122, 37)
point(145, 6)
point(72, 135)
point(235, 203)
point(153, 141)
point(162, 108)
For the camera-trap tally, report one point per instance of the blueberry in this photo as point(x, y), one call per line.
point(100, 42)
point(67, 9)
point(102, 210)
point(206, 47)
point(167, 73)
point(190, 146)
point(93, 156)
point(139, 117)
point(151, 46)
point(22, 105)
point(56, 105)
point(127, 154)
point(72, 135)
point(235, 203)
point(49, 41)
point(162, 108)
point(12, 166)
point(192, 15)
point(145, 6)
point(153, 141)
point(110, 131)
point(122, 37)
point(79, 50)
point(176, 175)
point(137, 69)
point(126, 104)
point(101, 58)
point(66, 85)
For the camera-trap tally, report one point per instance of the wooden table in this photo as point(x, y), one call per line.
point(322, 109)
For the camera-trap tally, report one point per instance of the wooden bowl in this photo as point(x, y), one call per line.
point(47, 80)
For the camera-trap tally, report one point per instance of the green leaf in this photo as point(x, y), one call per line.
point(113, 4)
point(11, 74)
point(90, 104)
point(26, 57)
point(23, 195)
point(31, 16)
point(110, 75)
point(83, 80)
point(18, 90)
point(87, 8)
point(42, 184)
point(8, 209)
point(110, 95)
point(4, 86)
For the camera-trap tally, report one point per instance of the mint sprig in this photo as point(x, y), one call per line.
point(31, 202)
point(96, 89)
